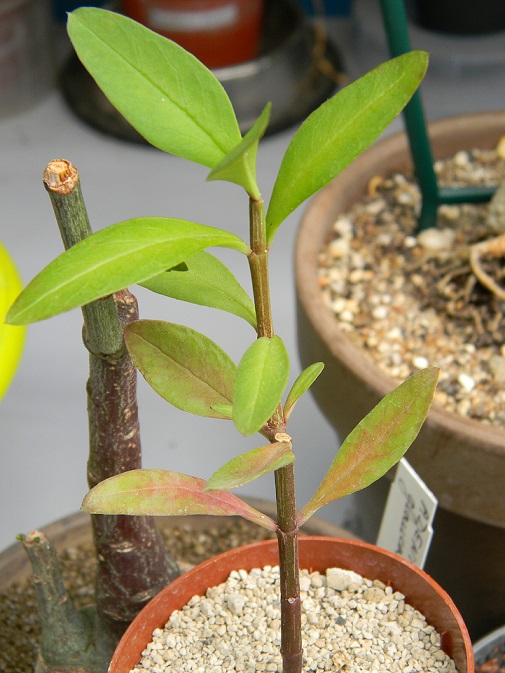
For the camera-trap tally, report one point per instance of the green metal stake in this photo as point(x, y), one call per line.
point(395, 23)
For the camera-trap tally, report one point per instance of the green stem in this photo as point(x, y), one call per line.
point(287, 533)
point(103, 332)
point(258, 262)
point(132, 562)
point(68, 639)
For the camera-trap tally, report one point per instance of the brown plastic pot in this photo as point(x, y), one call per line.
point(317, 553)
point(461, 460)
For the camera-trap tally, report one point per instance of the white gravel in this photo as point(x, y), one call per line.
point(349, 624)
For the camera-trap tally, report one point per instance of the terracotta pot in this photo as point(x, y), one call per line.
point(218, 32)
point(461, 460)
point(317, 553)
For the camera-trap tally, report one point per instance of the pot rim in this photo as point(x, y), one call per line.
point(486, 644)
point(424, 593)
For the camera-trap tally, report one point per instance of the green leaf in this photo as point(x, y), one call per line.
point(206, 281)
point(251, 465)
point(185, 367)
point(12, 338)
point(378, 442)
point(261, 377)
point(172, 99)
point(164, 493)
point(111, 259)
point(224, 410)
point(239, 165)
point(301, 385)
point(340, 129)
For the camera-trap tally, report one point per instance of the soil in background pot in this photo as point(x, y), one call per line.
point(410, 300)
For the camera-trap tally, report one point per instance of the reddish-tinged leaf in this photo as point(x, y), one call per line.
point(251, 465)
point(185, 367)
point(164, 493)
point(378, 442)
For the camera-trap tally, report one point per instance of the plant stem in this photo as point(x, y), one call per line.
point(258, 262)
point(104, 335)
point(287, 536)
point(287, 533)
point(67, 640)
point(132, 562)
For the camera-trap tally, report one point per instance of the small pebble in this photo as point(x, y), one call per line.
point(466, 381)
point(436, 239)
point(420, 362)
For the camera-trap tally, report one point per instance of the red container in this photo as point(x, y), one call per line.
point(218, 32)
point(317, 553)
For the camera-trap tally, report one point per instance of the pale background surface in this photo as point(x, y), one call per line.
point(43, 436)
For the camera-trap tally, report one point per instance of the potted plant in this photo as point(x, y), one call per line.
point(461, 459)
point(179, 106)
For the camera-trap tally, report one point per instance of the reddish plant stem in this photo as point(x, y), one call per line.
point(287, 533)
point(133, 565)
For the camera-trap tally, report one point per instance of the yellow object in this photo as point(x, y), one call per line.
point(12, 337)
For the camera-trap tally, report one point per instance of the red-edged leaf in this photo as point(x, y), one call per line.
point(251, 465)
point(378, 442)
point(164, 493)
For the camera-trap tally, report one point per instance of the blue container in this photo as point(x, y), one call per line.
point(331, 8)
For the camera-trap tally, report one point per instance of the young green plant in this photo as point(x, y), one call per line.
point(180, 107)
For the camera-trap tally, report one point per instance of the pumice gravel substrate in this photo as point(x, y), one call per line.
point(410, 300)
point(349, 624)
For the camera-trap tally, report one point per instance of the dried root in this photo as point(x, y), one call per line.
point(493, 247)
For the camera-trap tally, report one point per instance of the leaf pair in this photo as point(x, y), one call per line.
point(373, 447)
point(179, 106)
point(160, 492)
point(172, 99)
point(194, 374)
point(114, 258)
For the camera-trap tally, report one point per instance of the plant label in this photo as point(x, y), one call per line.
point(406, 526)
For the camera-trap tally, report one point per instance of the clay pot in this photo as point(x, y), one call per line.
point(461, 460)
point(317, 553)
